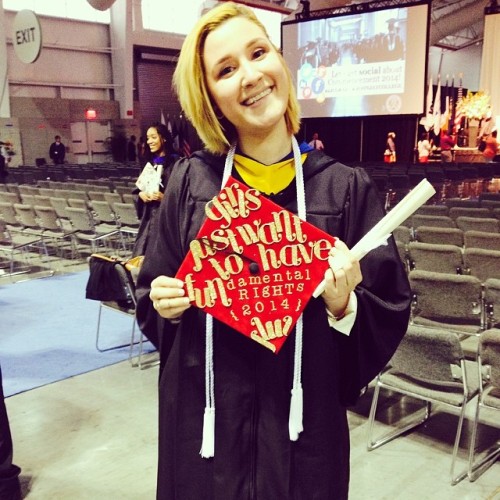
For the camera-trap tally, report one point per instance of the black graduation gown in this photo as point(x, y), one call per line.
point(254, 457)
point(147, 211)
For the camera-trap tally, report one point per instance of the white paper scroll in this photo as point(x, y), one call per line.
point(383, 229)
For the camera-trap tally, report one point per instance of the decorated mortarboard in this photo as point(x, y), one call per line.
point(254, 265)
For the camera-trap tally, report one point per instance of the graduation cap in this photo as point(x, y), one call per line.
point(254, 265)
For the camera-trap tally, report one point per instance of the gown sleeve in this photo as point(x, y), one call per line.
point(384, 295)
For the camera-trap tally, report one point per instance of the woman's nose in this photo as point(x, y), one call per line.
point(250, 74)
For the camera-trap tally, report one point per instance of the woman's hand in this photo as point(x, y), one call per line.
point(168, 297)
point(147, 197)
point(341, 278)
point(158, 196)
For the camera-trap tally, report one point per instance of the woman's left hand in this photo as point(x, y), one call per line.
point(158, 196)
point(341, 278)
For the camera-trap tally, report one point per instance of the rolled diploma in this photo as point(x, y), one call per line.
point(379, 233)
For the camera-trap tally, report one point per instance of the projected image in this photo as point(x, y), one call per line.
point(359, 64)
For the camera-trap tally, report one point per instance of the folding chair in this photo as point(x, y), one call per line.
point(103, 213)
point(487, 225)
point(429, 365)
point(433, 210)
point(451, 302)
point(440, 235)
point(482, 239)
point(128, 221)
point(112, 284)
point(432, 220)
point(87, 231)
point(492, 303)
point(435, 258)
point(112, 198)
point(54, 230)
point(12, 243)
point(456, 212)
point(403, 234)
point(482, 263)
point(489, 399)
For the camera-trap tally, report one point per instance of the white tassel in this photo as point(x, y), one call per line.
point(208, 442)
point(295, 426)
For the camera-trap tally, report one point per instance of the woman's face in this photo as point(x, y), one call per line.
point(245, 76)
point(154, 140)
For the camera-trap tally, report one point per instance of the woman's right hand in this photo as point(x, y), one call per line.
point(168, 297)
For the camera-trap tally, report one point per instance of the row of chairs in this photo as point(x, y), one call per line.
point(448, 236)
point(451, 259)
point(41, 196)
point(449, 356)
point(100, 226)
point(28, 174)
point(465, 223)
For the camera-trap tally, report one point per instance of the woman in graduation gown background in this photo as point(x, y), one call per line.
point(234, 86)
point(160, 154)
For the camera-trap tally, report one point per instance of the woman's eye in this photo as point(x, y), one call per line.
point(258, 53)
point(225, 71)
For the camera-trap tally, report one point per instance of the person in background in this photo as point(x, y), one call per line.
point(132, 149)
point(390, 148)
point(235, 88)
point(57, 151)
point(446, 143)
point(3, 166)
point(424, 148)
point(491, 146)
point(159, 153)
point(9, 472)
point(316, 143)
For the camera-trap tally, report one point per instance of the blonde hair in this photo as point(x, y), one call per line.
point(191, 86)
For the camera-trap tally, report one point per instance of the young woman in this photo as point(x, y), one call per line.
point(159, 153)
point(235, 88)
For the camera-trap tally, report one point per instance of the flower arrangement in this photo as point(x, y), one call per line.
point(474, 105)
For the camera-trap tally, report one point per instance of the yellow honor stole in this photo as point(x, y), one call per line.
point(268, 179)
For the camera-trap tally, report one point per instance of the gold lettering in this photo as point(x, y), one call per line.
point(268, 233)
point(268, 258)
point(321, 249)
point(252, 195)
point(215, 211)
point(217, 289)
point(292, 226)
point(200, 250)
point(248, 234)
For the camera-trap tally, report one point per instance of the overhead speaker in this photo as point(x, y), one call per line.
point(101, 4)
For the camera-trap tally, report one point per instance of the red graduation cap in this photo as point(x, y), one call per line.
point(254, 265)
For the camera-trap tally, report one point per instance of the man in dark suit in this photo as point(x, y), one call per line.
point(57, 151)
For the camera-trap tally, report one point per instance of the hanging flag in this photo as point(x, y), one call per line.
point(458, 107)
point(446, 115)
point(451, 123)
point(428, 120)
point(437, 108)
